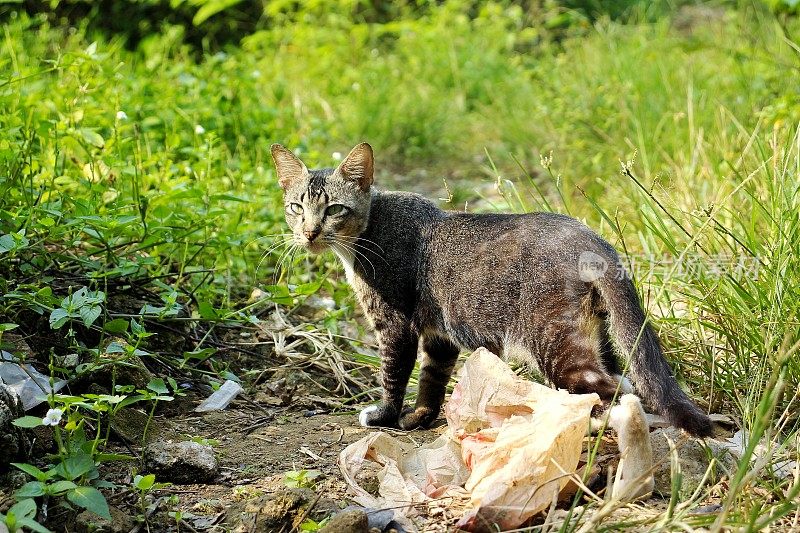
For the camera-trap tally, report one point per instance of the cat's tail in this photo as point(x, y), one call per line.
point(649, 371)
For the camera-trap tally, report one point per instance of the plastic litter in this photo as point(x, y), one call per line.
point(221, 398)
point(31, 386)
point(510, 448)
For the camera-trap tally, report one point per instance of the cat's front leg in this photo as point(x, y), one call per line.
point(398, 347)
point(437, 365)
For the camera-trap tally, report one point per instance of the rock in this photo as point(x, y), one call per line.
point(88, 522)
point(14, 442)
point(352, 521)
point(379, 519)
point(128, 424)
point(694, 456)
point(119, 367)
point(181, 462)
point(281, 510)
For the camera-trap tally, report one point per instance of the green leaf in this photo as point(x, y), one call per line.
point(211, 8)
point(75, 466)
point(24, 509)
point(33, 525)
point(306, 289)
point(31, 489)
point(28, 422)
point(90, 314)
point(131, 400)
point(118, 325)
point(280, 294)
point(60, 486)
point(7, 243)
point(92, 137)
point(7, 327)
point(200, 355)
point(58, 318)
point(13, 241)
point(32, 470)
point(229, 197)
point(90, 499)
point(144, 483)
point(115, 347)
point(158, 386)
point(207, 311)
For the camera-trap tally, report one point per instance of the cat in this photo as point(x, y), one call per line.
point(540, 285)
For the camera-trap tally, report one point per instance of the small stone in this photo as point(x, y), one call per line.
point(694, 457)
point(88, 522)
point(181, 462)
point(14, 442)
point(352, 521)
point(282, 509)
point(367, 477)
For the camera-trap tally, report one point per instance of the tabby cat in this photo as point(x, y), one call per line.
point(539, 285)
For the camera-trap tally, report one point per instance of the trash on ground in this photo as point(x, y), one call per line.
point(511, 447)
point(765, 452)
point(221, 398)
point(31, 386)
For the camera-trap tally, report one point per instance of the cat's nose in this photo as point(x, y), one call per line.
point(311, 234)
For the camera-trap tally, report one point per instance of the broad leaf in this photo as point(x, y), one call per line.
point(31, 470)
point(90, 499)
point(60, 486)
point(58, 318)
point(31, 489)
point(28, 422)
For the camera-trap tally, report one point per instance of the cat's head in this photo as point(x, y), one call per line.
point(328, 205)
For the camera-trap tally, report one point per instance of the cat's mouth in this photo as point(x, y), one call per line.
point(316, 246)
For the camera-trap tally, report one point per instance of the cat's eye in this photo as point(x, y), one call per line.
point(335, 209)
point(295, 209)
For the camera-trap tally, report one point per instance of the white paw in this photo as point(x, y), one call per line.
point(626, 387)
point(362, 416)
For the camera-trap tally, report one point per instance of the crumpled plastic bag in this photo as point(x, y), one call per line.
point(31, 386)
point(510, 447)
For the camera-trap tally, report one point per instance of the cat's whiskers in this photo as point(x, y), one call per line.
point(289, 252)
point(354, 251)
point(283, 255)
point(354, 242)
point(290, 261)
point(274, 246)
point(370, 242)
point(278, 244)
point(262, 237)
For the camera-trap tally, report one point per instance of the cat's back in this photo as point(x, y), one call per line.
point(408, 207)
point(551, 235)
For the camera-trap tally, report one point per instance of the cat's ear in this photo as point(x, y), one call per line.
point(358, 166)
point(288, 166)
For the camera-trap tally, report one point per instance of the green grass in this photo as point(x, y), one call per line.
point(709, 117)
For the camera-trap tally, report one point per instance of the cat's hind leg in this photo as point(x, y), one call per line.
point(573, 363)
point(438, 361)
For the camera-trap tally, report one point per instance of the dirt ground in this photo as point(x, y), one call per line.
point(255, 450)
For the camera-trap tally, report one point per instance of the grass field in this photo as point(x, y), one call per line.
point(677, 138)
